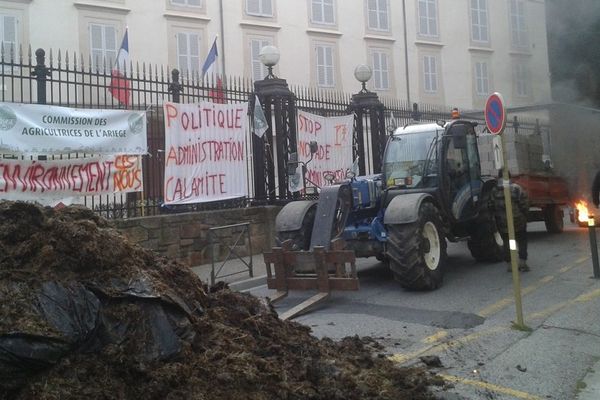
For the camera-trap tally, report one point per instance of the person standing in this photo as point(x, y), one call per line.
point(520, 208)
point(596, 190)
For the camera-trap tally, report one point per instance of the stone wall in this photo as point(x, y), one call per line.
point(185, 236)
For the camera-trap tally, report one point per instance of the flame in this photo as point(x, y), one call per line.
point(582, 211)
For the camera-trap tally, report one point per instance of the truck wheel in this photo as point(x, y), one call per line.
point(485, 242)
point(417, 251)
point(553, 217)
point(300, 238)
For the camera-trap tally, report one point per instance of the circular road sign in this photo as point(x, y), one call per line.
point(495, 114)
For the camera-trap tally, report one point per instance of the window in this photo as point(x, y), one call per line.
point(430, 74)
point(259, 8)
point(103, 45)
point(428, 18)
point(378, 11)
point(325, 76)
point(8, 35)
point(259, 71)
point(188, 52)
point(521, 75)
point(482, 82)
point(518, 27)
point(322, 12)
point(381, 70)
point(479, 21)
point(187, 3)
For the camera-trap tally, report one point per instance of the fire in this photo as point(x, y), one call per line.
point(582, 211)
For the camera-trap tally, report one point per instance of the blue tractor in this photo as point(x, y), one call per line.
point(431, 190)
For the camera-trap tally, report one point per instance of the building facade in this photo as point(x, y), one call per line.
point(446, 52)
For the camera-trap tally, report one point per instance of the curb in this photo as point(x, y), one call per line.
point(248, 284)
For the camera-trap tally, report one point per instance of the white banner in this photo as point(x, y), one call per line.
point(205, 152)
point(334, 138)
point(42, 129)
point(59, 179)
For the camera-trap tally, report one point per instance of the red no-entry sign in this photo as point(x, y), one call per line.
point(495, 114)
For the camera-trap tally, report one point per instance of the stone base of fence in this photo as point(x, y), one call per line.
point(185, 237)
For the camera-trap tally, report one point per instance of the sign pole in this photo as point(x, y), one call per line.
point(512, 243)
point(495, 119)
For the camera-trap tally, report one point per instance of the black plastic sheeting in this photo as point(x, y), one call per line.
point(87, 318)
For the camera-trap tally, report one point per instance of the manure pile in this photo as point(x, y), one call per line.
point(84, 314)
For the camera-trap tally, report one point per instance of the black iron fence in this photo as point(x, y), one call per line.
point(66, 79)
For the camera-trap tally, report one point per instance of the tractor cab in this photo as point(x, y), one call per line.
point(437, 158)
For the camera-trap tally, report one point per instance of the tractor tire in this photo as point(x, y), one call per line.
point(553, 218)
point(417, 251)
point(300, 238)
point(486, 243)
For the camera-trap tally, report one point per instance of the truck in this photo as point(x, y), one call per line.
point(528, 166)
point(430, 191)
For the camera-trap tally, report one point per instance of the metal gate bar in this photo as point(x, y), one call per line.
point(215, 239)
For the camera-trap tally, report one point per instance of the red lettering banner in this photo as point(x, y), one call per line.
point(32, 180)
point(205, 147)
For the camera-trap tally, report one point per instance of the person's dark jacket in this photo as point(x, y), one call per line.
point(596, 190)
point(520, 207)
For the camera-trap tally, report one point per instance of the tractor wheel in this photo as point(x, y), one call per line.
point(553, 217)
point(417, 251)
point(486, 243)
point(300, 238)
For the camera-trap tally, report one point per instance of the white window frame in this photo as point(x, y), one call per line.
point(262, 8)
point(186, 3)
point(430, 18)
point(192, 61)
point(381, 73)
point(522, 76)
point(107, 55)
point(482, 78)
point(258, 70)
point(431, 84)
point(325, 73)
point(12, 44)
point(381, 14)
point(480, 27)
point(322, 4)
point(518, 23)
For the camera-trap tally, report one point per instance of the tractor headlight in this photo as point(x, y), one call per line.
point(329, 177)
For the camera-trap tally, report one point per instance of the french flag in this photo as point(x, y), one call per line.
point(120, 87)
point(211, 66)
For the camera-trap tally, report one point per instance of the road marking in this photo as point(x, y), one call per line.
point(594, 294)
point(436, 337)
point(490, 386)
point(505, 302)
point(440, 347)
point(486, 312)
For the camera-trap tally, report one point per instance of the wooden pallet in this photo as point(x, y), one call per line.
point(333, 269)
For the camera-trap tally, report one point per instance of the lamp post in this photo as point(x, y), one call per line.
point(278, 104)
point(368, 111)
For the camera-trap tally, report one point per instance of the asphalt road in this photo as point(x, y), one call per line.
point(468, 322)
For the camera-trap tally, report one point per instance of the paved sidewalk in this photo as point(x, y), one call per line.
point(235, 272)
